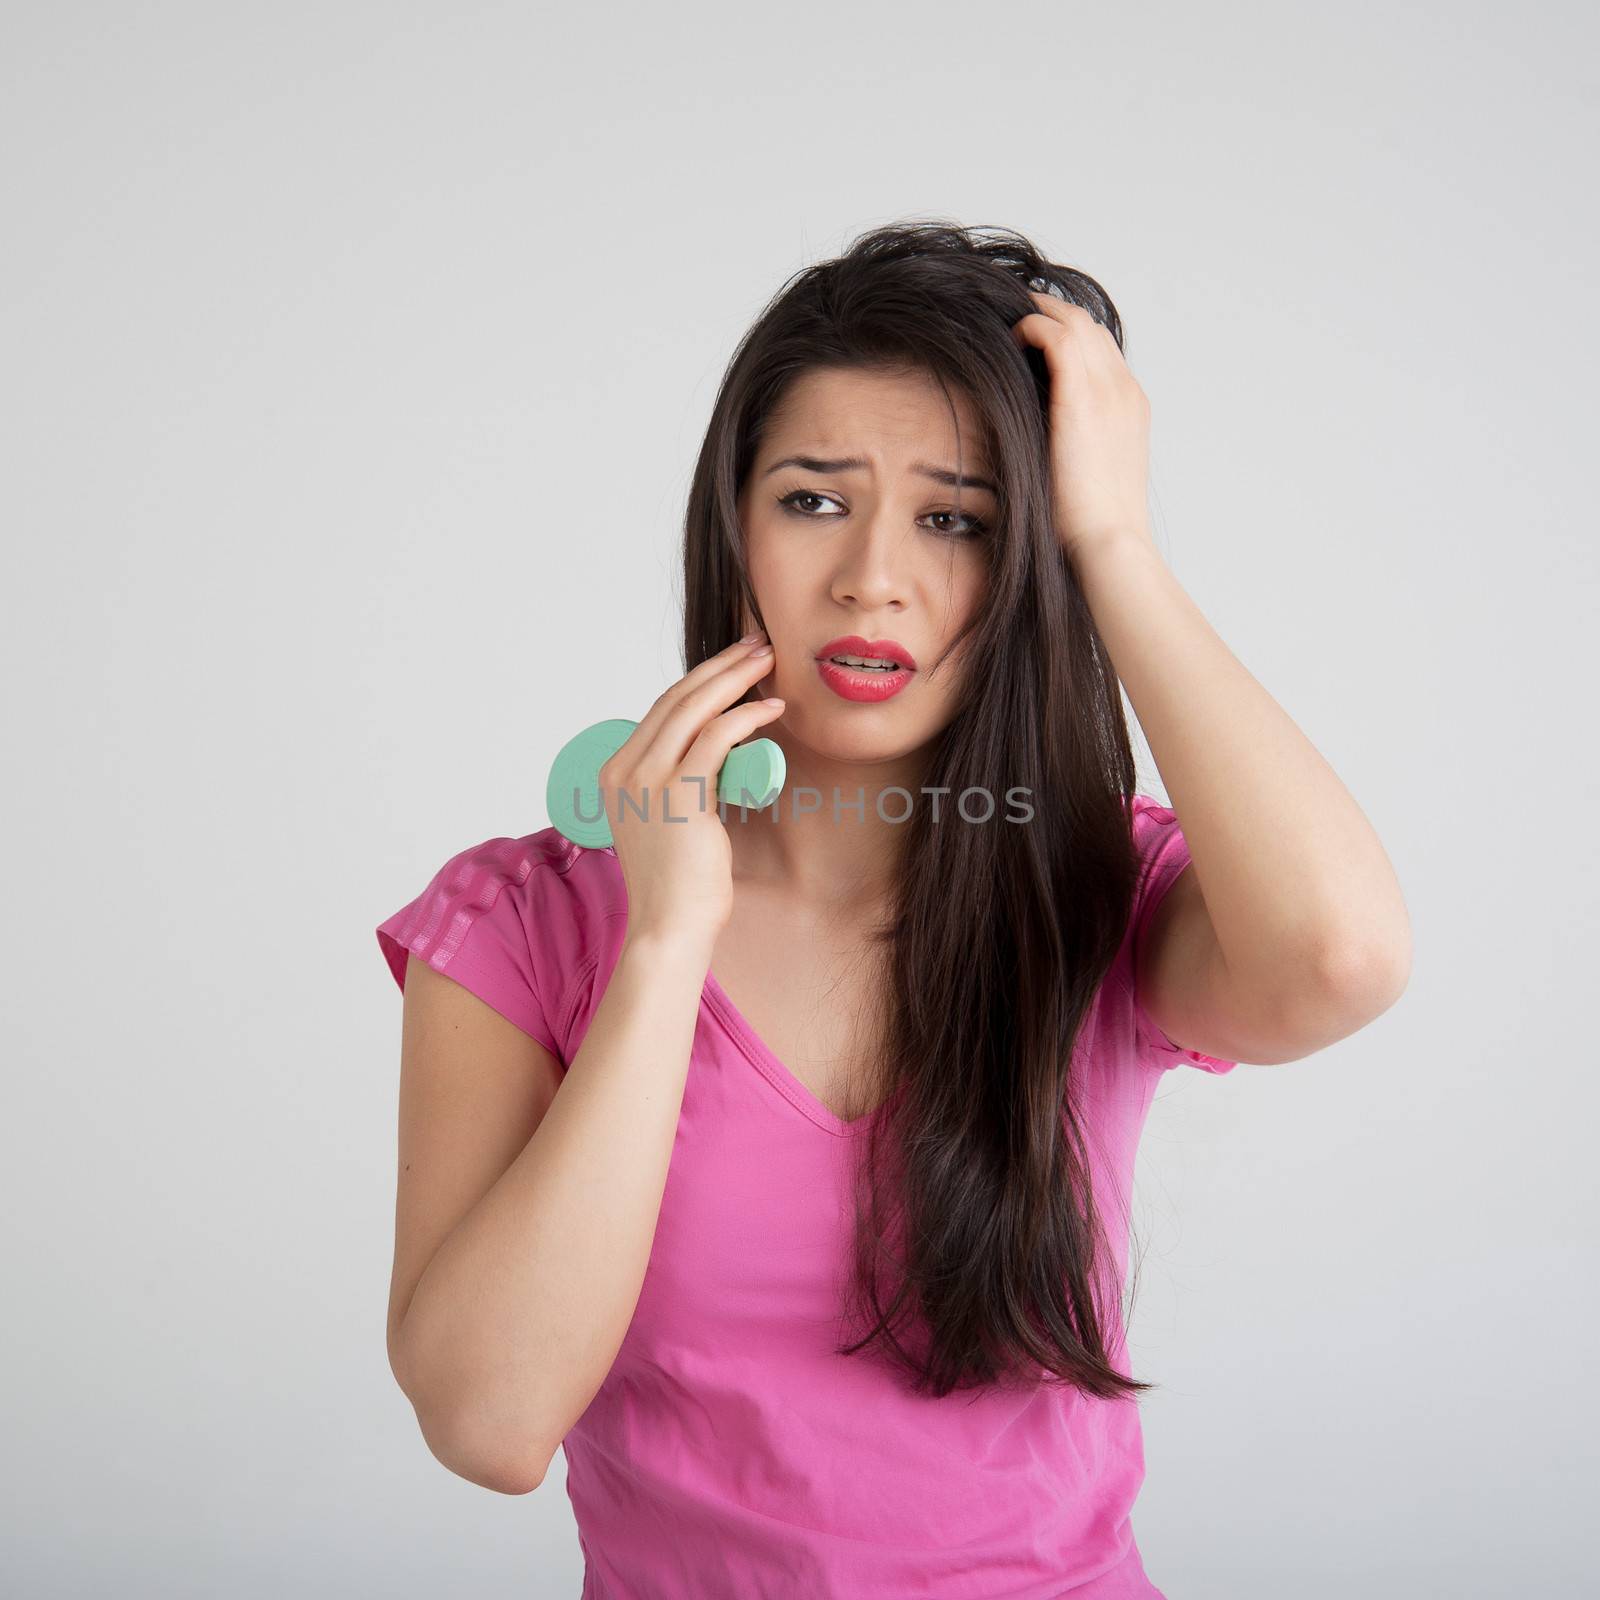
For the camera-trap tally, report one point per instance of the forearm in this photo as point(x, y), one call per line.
point(1296, 882)
point(520, 1314)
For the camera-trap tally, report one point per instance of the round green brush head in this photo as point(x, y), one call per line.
point(752, 776)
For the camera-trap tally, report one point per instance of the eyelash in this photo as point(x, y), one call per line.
point(976, 526)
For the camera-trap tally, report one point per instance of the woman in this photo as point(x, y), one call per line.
point(775, 1163)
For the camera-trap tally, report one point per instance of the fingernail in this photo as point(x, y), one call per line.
point(750, 638)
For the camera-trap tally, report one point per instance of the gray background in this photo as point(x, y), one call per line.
point(355, 361)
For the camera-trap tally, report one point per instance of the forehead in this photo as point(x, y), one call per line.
point(845, 410)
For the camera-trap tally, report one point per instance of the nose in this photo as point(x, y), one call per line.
point(872, 571)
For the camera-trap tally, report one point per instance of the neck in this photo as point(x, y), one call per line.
point(839, 853)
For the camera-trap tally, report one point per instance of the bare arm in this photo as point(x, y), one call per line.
point(1291, 930)
point(527, 1205)
point(1301, 935)
point(528, 1201)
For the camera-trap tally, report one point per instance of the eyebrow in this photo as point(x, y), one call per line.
point(858, 463)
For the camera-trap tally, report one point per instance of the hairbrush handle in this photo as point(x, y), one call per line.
point(752, 776)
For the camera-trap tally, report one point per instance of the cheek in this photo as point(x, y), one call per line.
point(779, 577)
point(966, 600)
point(966, 592)
point(760, 542)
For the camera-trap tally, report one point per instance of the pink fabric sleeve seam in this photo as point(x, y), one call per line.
point(491, 979)
point(569, 998)
point(1158, 1036)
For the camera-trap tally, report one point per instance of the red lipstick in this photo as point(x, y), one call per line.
point(865, 683)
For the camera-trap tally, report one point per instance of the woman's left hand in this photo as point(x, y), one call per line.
point(1099, 428)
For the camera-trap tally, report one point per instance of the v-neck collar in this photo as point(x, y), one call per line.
point(776, 1073)
point(754, 1047)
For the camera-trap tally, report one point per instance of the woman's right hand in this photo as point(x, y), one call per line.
point(677, 860)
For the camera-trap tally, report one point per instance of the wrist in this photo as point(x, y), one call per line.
point(684, 947)
point(1133, 544)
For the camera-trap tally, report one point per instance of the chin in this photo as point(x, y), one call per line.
point(863, 733)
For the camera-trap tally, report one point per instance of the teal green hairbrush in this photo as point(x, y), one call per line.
point(752, 776)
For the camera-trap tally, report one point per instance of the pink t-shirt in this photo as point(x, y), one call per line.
point(730, 1451)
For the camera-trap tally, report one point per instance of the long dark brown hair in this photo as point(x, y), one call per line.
point(974, 1203)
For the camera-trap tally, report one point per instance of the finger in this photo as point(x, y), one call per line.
point(1040, 330)
point(704, 671)
point(1073, 318)
point(681, 714)
point(1067, 311)
point(1074, 354)
point(710, 749)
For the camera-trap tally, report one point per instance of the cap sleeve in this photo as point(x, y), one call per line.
point(1163, 854)
point(477, 923)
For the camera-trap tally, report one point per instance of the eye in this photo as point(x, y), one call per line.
point(973, 527)
point(790, 501)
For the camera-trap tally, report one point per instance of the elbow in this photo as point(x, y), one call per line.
point(1364, 979)
point(491, 1456)
point(488, 1472)
point(1345, 990)
point(483, 1457)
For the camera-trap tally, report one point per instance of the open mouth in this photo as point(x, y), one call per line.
point(856, 654)
point(867, 663)
point(865, 670)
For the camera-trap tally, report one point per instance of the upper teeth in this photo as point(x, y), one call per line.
point(870, 662)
